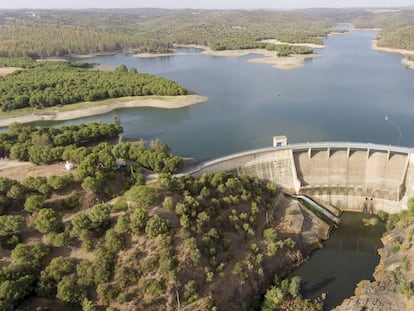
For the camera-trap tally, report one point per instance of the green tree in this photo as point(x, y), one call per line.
point(58, 268)
point(121, 68)
point(123, 224)
point(91, 184)
point(99, 214)
point(10, 224)
point(34, 203)
point(274, 296)
point(113, 241)
point(88, 305)
point(29, 254)
point(294, 286)
point(68, 290)
point(47, 220)
point(157, 226)
point(139, 219)
point(142, 195)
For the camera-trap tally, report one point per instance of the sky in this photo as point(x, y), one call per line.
point(201, 4)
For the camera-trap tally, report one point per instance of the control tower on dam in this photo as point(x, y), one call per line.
point(349, 176)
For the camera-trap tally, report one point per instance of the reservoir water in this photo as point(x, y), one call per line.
point(344, 95)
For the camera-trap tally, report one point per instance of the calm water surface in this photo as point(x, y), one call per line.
point(342, 95)
point(349, 256)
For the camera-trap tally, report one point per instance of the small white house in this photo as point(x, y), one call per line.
point(69, 166)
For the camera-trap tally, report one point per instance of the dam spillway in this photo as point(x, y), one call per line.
point(346, 175)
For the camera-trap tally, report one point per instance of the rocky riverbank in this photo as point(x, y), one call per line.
point(393, 287)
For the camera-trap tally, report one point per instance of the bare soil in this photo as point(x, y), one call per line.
point(20, 170)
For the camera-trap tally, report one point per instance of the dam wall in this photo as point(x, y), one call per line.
point(349, 176)
point(275, 165)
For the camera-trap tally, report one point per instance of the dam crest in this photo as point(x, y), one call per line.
point(342, 174)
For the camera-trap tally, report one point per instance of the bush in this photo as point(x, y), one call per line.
point(113, 242)
point(10, 241)
point(139, 219)
point(34, 203)
point(142, 195)
point(60, 182)
point(120, 205)
point(157, 226)
point(47, 220)
point(29, 254)
point(59, 239)
point(10, 224)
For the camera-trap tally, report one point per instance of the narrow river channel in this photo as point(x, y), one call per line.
point(348, 256)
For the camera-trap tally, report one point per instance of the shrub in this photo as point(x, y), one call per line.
point(47, 220)
point(157, 226)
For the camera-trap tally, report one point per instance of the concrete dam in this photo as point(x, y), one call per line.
point(349, 176)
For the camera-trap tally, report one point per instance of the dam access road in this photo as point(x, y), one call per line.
point(344, 174)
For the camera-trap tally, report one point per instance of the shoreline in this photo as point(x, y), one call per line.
point(391, 50)
point(164, 102)
point(309, 45)
point(152, 55)
point(405, 61)
point(291, 62)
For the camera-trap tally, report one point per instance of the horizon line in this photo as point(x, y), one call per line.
point(212, 9)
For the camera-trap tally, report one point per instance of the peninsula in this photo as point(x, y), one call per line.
point(86, 109)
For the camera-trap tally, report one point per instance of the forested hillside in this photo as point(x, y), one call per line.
point(397, 25)
point(60, 33)
point(105, 236)
point(397, 28)
point(47, 84)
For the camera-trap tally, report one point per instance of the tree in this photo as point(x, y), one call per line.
point(168, 203)
point(60, 182)
point(123, 224)
point(99, 214)
point(88, 305)
point(30, 254)
point(142, 195)
point(139, 219)
point(273, 298)
point(113, 241)
point(16, 192)
point(34, 203)
point(157, 226)
point(10, 224)
point(159, 146)
point(121, 68)
point(91, 184)
point(68, 290)
point(12, 291)
point(103, 266)
point(58, 268)
point(47, 220)
point(85, 272)
point(294, 286)
point(269, 234)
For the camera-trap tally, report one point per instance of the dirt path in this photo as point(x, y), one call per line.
point(20, 170)
point(7, 70)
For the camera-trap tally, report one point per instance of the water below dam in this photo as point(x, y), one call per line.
point(348, 256)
